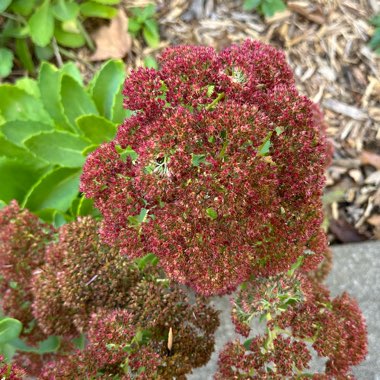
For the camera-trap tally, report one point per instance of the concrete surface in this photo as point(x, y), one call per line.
point(356, 270)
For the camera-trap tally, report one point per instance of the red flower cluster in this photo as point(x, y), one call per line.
point(23, 239)
point(334, 329)
point(10, 371)
point(220, 171)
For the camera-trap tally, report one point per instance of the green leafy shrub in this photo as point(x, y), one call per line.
point(374, 43)
point(265, 7)
point(47, 127)
point(142, 21)
point(32, 25)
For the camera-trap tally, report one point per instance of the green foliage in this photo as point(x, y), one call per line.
point(265, 7)
point(142, 21)
point(47, 127)
point(32, 26)
point(10, 330)
point(374, 43)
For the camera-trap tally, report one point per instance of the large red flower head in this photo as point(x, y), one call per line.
point(219, 172)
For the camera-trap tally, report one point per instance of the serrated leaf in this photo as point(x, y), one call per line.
point(105, 86)
point(119, 113)
point(41, 24)
point(10, 329)
point(92, 9)
point(17, 177)
point(49, 82)
point(97, 129)
point(71, 69)
point(55, 190)
point(18, 131)
point(75, 100)
point(17, 104)
point(58, 147)
point(29, 85)
point(6, 62)
point(65, 11)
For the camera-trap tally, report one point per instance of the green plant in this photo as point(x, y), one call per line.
point(374, 43)
point(34, 27)
point(265, 7)
point(142, 21)
point(47, 127)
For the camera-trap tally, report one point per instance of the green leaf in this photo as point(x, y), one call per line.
point(13, 29)
point(51, 344)
point(247, 343)
point(134, 26)
point(23, 53)
point(150, 62)
point(89, 149)
point(250, 5)
point(18, 131)
point(58, 147)
point(149, 259)
point(41, 24)
point(55, 190)
point(67, 39)
point(8, 351)
point(29, 85)
point(96, 128)
point(105, 86)
point(22, 7)
point(10, 328)
point(119, 113)
point(4, 4)
point(264, 148)
point(151, 34)
point(375, 20)
point(211, 212)
point(127, 152)
point(80, 342)
point(6, 62)
point(75, 100)
point(269, 8)
point(17, 104)
point(71, 69)
point(143, 14)
point(65, 11)
point(197, 159)
point(85, 207)
point(17, 177)
point(295, 266)
point(92, 9)
point(49, 82)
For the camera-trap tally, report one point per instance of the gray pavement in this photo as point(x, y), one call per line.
point(356, 269)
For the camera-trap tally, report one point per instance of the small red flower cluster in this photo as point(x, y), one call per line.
point(220, 171)
point(333, 329)
point(10, 371)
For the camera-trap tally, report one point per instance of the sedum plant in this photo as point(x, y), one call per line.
point(213, 186)
point(220, 174)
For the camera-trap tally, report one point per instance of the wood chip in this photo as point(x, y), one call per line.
point(345, 109)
